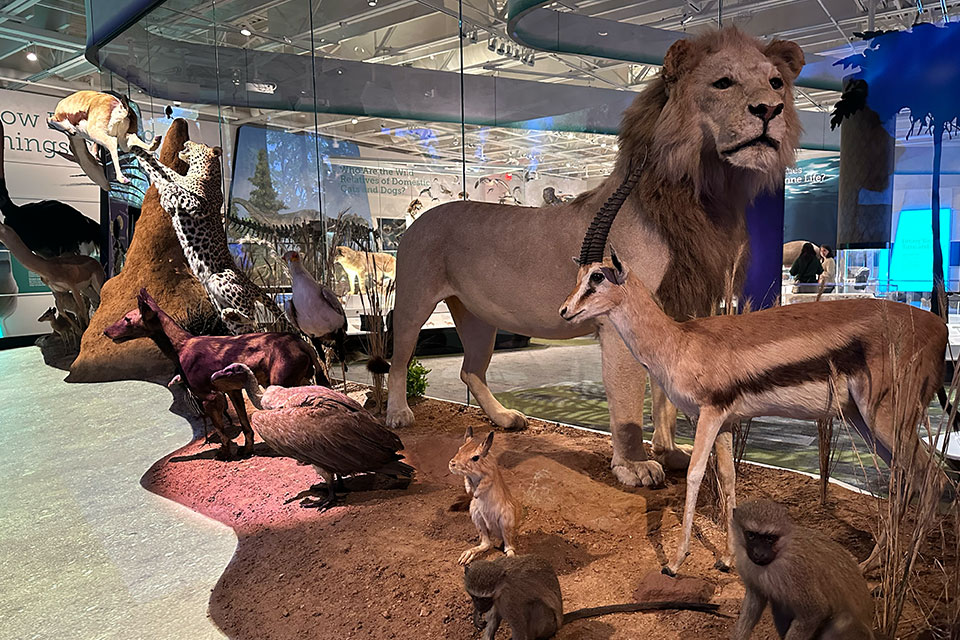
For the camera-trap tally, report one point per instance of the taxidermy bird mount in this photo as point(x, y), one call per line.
point(49, 228)
point(315, 310)
point(317, 426)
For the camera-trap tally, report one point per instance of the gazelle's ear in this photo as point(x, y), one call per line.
point(620, 271)
point(576, 260)
point(468, 434)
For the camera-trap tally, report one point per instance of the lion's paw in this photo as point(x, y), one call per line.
point(510, 420)
point(399, 417)
point(638, 473)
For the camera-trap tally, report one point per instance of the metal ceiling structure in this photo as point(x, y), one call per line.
point(424, 34)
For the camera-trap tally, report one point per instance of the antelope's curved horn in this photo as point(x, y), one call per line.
point(596, 238)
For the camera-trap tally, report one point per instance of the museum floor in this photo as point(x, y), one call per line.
point(89, 553)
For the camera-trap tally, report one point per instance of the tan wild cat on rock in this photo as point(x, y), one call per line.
point(360, 264)
point(102, 119)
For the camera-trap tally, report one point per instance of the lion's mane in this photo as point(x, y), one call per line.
point(692, 198)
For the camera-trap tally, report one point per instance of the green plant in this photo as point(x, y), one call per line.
point(417, 379)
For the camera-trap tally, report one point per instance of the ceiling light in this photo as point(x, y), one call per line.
point(601, 33)
point(685, 20)
point(354, 121)
point(372, 3)
point(244, 31)
point(31, 56)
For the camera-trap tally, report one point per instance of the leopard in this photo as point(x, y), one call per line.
point(195, 204)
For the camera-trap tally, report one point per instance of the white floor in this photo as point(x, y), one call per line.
point(85, 551)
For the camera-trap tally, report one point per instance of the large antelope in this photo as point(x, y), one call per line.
point(808, 361)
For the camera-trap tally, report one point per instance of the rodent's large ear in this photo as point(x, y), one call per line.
point(468, 434)
point(678, 60)
point(787, 55)
point(487, 443)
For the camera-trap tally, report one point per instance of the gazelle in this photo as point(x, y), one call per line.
point(782, 362)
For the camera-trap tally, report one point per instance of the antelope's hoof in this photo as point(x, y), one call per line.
point(674, 459)
point(638, 473)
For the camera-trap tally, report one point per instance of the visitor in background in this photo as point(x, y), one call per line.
point(806, 270)
point(829, 276)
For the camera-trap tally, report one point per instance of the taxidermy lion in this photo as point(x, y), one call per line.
point(359, 265)
point(716, 127)
point(102, 119)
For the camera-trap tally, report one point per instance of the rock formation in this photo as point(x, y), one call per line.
point(155, 261)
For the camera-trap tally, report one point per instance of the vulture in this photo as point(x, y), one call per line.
point(317, 426)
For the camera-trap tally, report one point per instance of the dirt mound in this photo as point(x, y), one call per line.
point(384, 563)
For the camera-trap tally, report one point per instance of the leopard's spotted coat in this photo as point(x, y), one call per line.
point(195, 204)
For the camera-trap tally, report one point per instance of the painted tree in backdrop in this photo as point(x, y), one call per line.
point(264, 196)
point(918, 70)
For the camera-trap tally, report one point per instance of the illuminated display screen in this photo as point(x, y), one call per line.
point(911, 261)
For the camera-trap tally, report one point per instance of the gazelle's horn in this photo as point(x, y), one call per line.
point(596, 239)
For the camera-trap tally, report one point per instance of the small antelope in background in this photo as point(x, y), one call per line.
point(62, 326)
point(102, 119)
point(808, 361)
point(492, 507)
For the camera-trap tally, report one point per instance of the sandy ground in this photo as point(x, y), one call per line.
point(384, 563)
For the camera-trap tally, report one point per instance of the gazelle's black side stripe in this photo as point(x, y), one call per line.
point(847, 359)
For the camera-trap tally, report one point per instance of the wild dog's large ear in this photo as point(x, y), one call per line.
point(787, 55)
point(576, 260)
point(217, 152)
point(468, 434)
point(487, 443)
point(678, 60)
point(143, 304)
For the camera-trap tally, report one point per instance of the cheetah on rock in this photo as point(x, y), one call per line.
point(195, 203)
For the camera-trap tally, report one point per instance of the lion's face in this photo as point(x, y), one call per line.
point(742, 99)
point(729, 96)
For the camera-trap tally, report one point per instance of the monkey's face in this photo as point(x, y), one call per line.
point(482, 605)
point(761, 547)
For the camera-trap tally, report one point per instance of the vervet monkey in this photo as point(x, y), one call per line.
point(524, 592)
point(813, 585)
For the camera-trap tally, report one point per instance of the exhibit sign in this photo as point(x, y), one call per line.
point(810, 200)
